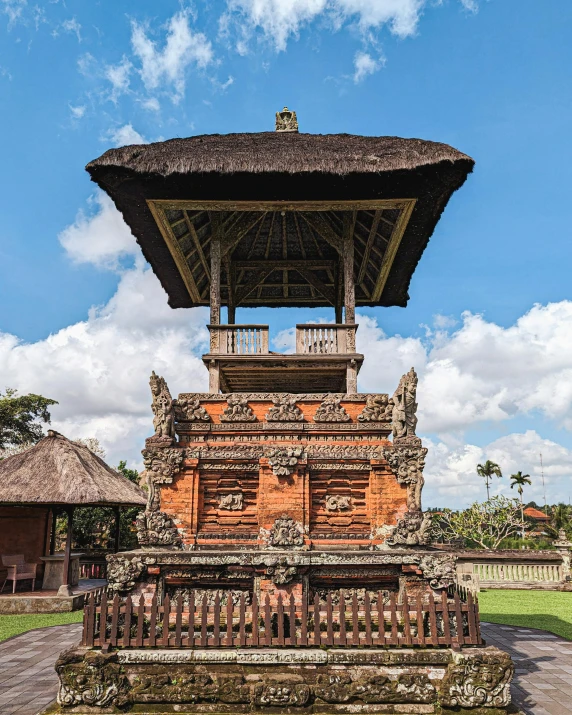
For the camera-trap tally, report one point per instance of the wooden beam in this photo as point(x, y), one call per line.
point(331, 205)
point(246, 289)
point(315, 282)
point(322, 227)
point(391, 250)
point(348, 258)
point(203, 260)
point(368, 245)
point(215, 268)
point(288, 264)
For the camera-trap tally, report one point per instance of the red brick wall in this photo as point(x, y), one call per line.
point(24, 530)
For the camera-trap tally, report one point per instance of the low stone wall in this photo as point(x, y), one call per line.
point(285, 680)
point(514, 569)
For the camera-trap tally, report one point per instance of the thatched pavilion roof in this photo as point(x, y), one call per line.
point(59, 471)
point(286, 198)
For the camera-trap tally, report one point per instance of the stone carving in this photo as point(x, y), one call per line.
point(239, 451)
point(284, 410)
point(163, 407)
point(168, 685)
point(413, 529)
point(184, 593)
point(161, 465)
point(339, 466)
point(189, 409)
point(286, 532)
point(338, 502)
point(237, 410)
point(231, 502)
point(340, 451)
point(403, 417)
point(233, 690)
point(286, 121)
point(439, 570)
point(155, 528)
point(95, 680)
point(349, 593)
point(376, 689)
point(378, 408)
point(407, 463)
point(281, 694)
point(331, 411)
point(229, 467)
point(478, 679)
point(284, 461)
point(281, 572)
point(124, 571)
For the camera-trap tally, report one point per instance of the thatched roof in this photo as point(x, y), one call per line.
point(169, 191)
point(59, 471)
point(269, 152)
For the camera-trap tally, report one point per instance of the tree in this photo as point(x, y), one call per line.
point(92, 443)
point(483, 524)
point(518, 480)
point(19, 415)
point(487, 471)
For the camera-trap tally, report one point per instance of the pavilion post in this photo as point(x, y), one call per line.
point(53, 531)
point(349, 285)
point(215, 270)
point(117, 511)
point(65, 589)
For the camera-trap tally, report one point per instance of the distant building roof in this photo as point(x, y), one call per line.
point(536, 514)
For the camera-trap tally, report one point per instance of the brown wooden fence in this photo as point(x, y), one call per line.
point(443, 622)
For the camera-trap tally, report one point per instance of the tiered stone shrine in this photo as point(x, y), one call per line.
point(285, 560)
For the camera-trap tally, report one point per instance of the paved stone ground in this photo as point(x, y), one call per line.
point(542, 684)
point(28, 681)
point(543, 668)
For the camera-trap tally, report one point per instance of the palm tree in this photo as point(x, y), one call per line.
point(487, 471)
point(519, 480)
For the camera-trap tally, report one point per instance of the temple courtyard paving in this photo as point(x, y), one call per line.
point(542, 683)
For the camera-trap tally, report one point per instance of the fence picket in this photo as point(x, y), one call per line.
point(191, 628)
point(393, 612)
point(103, 621)
point(127, 623)
point(458, 620)
point(367, 611)
point(355, 620)
point(216, 620)
point(153, 622)
point(280, 619)
point(406, 620)
point(267, 621)
point(241, 621)
point(179, 622)
point(255, 632)
point(434, 635)
point(292, 616)
point(471, 619)
point(166, 615)
point(317, 635)
point(445, 612)
point(140, 619)
point(329, 621)
point(229, 619)
point(420, 621)
point(342, 613)
point(204, 621)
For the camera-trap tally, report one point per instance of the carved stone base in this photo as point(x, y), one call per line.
point(286, 680)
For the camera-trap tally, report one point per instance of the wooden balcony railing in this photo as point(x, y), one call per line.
point(321, 339)
point(443, 622)
point(325, 339)
point(239, 339)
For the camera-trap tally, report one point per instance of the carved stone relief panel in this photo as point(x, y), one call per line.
point(230, 502)
point(284, 461)
point(286, 533)
point(331, 410)
point(237, 410)
point(378, 408)
point(284, 410)
point(338, 502)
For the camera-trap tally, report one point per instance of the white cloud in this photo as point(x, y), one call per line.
point(119, 76)
point(278, 20)
point(77, 112)
point(100, 238)
point(364, 65)
point(99, 369)
point(151, 104)
point(168, 66)
point(481, 372)
point(122, 136)
point(72, 26)
point(13, 9)
point(451, 478)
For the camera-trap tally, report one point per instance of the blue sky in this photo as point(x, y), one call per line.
point(492, 78)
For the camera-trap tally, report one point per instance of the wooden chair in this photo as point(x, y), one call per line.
point(18, 570)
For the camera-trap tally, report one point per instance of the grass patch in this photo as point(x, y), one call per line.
point(546, 610)
point(14, 625)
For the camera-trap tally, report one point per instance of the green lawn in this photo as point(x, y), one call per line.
point(13, 625)
point(547, 610)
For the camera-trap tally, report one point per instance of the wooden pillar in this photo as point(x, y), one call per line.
point(53, 534)
point(215, 269)
point(214, 377)
point(65, 589)
point(117, 511)
point(230, 277)
point(348, 258)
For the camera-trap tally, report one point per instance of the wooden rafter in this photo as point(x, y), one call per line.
point(322, 288)
point(324, 229)
point(368, 245)
point(246, 289)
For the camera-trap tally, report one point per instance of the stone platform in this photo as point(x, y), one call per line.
point(285, 680)
point(48, 601)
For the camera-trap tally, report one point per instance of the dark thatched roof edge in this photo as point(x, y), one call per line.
point(271, 152)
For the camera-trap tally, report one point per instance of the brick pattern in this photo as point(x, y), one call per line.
point(213, 486)
point(354, 485)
